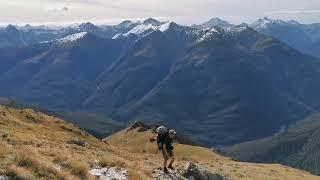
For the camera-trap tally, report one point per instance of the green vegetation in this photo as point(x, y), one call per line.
point(298, 146)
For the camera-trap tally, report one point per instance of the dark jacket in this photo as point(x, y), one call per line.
point(165, 140)
point(169, 143)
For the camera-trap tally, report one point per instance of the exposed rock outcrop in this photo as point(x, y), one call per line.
point(114, 173)
point(4, 178)
point(194, 172)
point(190, 172)
point(173, 175)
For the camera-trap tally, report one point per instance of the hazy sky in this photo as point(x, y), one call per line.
point(181, 11)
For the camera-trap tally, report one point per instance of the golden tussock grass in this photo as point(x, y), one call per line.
point(39, 166)
point(18, 172)
point(111, 161)
point(138, 172)
point(77, 167)
point(4, 149)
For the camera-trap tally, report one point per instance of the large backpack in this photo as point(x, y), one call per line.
point(162, 132)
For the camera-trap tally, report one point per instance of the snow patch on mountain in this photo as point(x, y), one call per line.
point(67, 39)
point(72, 38)
point(117, 36)
point(165, 27)
point(206, 34)
point(141, 29)
point(237, 29)
point(265, 22)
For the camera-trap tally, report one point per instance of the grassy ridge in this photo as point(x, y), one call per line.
point(38, 146)
point(96, 124)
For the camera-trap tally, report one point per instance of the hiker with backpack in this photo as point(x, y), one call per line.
point(165, 144)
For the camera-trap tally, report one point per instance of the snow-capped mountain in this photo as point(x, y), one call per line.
point(152, 21)
point(267, 22)
point(151, 25)
point(214, 22)
point(88, 27)
point(304, 37)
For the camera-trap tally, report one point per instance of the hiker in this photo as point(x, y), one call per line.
point(165, 144)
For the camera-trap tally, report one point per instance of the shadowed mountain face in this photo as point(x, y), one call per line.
point(136, 73)
point(220, 86)
point(58, 75)
point(297, 147)
point(10, 36)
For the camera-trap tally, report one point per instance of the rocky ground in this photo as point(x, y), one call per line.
point(4, 178)
point(114, 173)
point(190, 171)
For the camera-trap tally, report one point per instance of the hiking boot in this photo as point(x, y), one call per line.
point(170, 167)
point(165, 170)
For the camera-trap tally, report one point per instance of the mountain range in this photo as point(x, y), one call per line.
point(303, 37)
point(219, 85)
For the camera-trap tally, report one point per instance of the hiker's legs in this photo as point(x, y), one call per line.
point(165, 158)
point(165, 165)
point(172, 159)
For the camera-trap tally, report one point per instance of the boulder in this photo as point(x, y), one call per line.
point(194, 172)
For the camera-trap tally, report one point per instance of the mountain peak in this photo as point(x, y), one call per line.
point(267, 18)
point(88, 26)
point(27, 26)
point(166, 26)
point(215, 22)
point(126, 23)
point(293, 22)
point(11, 27)
point(264, 22)
point(151, 21)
